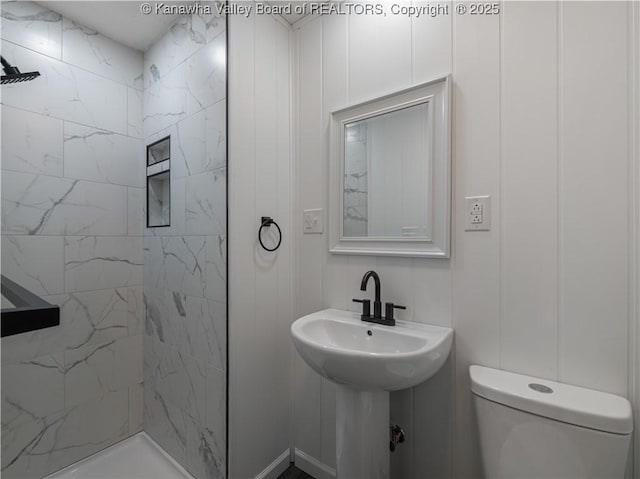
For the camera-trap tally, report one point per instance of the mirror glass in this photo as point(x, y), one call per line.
point(390, 174)
point(386, 174)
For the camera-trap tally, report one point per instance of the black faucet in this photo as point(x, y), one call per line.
point(377, 305)
point(388, 320)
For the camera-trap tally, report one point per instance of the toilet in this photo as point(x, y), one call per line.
point(538, 429)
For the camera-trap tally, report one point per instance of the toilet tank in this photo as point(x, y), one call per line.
point(534, 428)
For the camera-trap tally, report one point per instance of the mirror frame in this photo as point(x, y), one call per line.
point(438, 93)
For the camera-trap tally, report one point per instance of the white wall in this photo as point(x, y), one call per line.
point(542, 97)
point(260, 311)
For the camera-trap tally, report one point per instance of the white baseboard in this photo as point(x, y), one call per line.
point(313, 467)
point(277, 467)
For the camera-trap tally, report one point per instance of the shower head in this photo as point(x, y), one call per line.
point(13, 75)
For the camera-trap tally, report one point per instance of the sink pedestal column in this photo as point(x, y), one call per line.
point(362, 434)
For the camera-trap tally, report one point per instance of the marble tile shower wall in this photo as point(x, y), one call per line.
point(185, 263)
point(72, 232)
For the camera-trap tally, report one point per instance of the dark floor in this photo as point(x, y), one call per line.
point(294, 473)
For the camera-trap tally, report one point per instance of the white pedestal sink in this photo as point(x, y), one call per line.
point(367, 361)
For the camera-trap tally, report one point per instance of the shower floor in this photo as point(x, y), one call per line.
point(137, 457)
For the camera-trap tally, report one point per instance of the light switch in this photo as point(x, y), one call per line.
point(312, 221)
point(477, 211)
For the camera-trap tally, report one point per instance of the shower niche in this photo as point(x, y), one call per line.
point(159, 183)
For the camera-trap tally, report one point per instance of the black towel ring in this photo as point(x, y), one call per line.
point(265, 223)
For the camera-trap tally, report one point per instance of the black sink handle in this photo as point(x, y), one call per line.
point(366, 307)
point(388, 310)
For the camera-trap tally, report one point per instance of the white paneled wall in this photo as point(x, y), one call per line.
point(529, 179)
point(260, 311)
point(542, 123)
point(594, 157)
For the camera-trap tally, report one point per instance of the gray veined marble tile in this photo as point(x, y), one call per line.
point(165, 316)
point(102, 262)
point(34, 262)
point(103, 156)
point(135, 310)
point(216, 142)
point(176, 376)
point(46, 205)
point(206, 441)
point(23, 384)
point(164, 101)
point(34, 26)
point(206, 75)
point(93, 371)
point(34, 344)
point(31, 143)
point(216, 268)
point(136, 408)
point(188, 146)
point(206, 331)
point(216, 397)
point(134, 112)
point(94, 317)
point(176, 263)
point(206, 203)
point(136, 220)
point(80, 96)
point(42, 446)
point(205, 451)
point(88, 49)
point(215, 22)
point(164, 422)
point(185, 37)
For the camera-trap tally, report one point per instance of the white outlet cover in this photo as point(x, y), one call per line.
point(471, 213)
point(312, 221)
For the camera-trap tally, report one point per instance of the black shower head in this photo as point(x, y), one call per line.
point(13, 75)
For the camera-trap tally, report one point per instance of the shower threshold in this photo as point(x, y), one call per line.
point(137, 457)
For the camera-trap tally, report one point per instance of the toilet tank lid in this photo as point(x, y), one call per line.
point(562, 402)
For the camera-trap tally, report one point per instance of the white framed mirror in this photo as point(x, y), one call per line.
point(390, 174)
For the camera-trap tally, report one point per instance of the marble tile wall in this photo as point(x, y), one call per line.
point(185, 280)
point(72, 232)
point(356, 182)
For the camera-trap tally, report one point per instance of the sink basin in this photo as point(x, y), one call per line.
point(367, 361)
point(341, 347)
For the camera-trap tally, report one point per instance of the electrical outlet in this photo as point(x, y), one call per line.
point(312, 221)
point(477, 213)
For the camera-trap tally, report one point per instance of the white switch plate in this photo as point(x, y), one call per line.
point(312, 221)
point(477, 213)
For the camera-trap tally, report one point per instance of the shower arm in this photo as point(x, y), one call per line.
point(8, 69)
point(13, 75)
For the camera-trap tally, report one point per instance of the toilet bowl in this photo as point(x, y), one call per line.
point(534, 428)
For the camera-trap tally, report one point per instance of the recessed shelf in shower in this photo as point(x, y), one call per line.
point(159, 183)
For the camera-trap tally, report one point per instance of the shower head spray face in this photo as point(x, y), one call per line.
point(19, 77)
point(13, 75)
